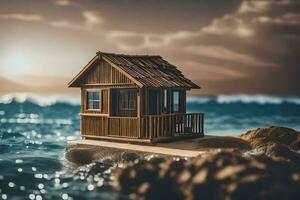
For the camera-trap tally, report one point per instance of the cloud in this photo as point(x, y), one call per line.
point(63, 2)
point(90, 21)
point(239, 45)
point(133, 41)
point(262, 6)
point(222, 53)
point(254, 6)
point(229, 25)
point(288, 19)
point(22, 17)
point(65, 24)
point(212, 72)
point(292, 19)
point(244, 39)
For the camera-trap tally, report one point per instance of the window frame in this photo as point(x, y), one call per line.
point(99, 100)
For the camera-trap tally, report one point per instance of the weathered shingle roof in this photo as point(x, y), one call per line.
point(149, 71)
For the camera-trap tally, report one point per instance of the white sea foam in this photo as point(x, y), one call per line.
point(48, 100)
point(199, 100)
point(41, 100)
point(243, 98)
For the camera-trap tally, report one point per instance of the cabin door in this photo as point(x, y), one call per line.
point(152, 102)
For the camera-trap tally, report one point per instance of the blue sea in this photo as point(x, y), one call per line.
point(35, 129)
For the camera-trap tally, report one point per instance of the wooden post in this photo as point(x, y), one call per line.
point(109, 101)
point(139, 113)
point(170, 100)
point(202, 123)
point(150, 127)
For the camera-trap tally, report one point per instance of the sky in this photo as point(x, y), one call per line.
point(227, 47)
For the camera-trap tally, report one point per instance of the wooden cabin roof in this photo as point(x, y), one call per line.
point(144, 70)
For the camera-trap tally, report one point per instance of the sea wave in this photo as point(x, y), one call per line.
point(41, 100)
point(49, 100)
point(245, 99)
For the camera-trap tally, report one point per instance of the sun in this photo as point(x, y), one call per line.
point(15, 64)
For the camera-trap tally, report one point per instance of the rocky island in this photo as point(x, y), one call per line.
point(260, 164)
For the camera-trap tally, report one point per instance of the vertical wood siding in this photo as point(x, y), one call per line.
point(110, 126)
point(104, 73)
point(94, 126)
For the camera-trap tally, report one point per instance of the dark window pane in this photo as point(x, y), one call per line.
point(96, 105)
point(127, 99)
point(90, 105)
point(131, 104)
point(90, 95)
point(176, 108)
point(96, 96)
point(175, 101)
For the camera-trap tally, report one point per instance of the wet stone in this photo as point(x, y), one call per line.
point(215, 175)
point(80, 156)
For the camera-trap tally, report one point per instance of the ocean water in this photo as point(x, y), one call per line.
point(34, 131)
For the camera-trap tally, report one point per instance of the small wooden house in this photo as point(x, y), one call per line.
point(137, 98)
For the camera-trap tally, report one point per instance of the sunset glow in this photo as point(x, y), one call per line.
point(15, 64)
point(215, 44)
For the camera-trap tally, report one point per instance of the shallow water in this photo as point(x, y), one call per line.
point(32, 164)
point(34, 133)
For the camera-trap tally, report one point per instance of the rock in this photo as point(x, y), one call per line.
point(85, 154)
point(278, 142)
point(280, 135)
point(274, 149)
point(295, 145)
point(99, 167)
point(223, 142)
point(129, 156)
point(79, 155)
point(215, 175)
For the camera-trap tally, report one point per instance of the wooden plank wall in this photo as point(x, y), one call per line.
point(104, 73)
point(110, 126)
point(124, 127)
point(95, 126)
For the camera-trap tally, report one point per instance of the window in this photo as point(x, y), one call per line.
point(93, 100)
point(165, 101)
point(176, 97)
point(128, 99)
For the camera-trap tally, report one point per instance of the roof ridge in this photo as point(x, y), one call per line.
point(127, 55)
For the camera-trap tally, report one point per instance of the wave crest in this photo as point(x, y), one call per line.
point(245, 99)
point(41, 100)
point(49, 100)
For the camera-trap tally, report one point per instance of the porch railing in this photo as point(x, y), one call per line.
point(146, 127)
point(169, 125)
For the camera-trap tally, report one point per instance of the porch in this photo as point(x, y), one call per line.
point(151, 128)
